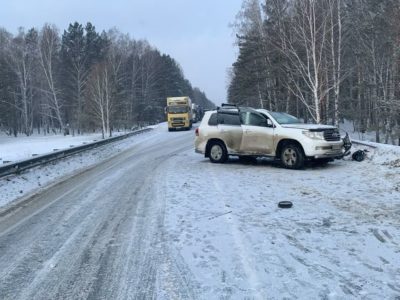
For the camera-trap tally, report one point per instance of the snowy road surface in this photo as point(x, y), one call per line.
point(158, 221)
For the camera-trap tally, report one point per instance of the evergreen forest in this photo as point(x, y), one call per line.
point(83, 81)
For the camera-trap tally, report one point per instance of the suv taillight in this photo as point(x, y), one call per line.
point(197, 131)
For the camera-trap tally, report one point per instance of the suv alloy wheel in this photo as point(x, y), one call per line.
point(218, 153)
point(292, 156)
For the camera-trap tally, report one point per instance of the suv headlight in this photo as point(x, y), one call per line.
point(315, 135)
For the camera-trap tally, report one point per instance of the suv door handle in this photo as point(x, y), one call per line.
point(247, 130)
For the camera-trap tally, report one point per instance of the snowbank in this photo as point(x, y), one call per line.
point(33, 180)
point(369, 136)
point(24, 147)
point(380, 154)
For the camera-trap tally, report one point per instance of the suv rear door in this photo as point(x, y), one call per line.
point(230, 130)
point(258, 135)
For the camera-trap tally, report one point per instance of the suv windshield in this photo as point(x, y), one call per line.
point(284, 118)
point(177, 109)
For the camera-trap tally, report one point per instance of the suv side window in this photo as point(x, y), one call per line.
point(253, 119)
point(213, 121)
point(229, 119)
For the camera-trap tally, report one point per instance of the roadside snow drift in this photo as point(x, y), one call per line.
point(34, 180)
point(24, 147)
point(340, 240)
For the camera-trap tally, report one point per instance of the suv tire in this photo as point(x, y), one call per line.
point(218, 153)
point(292, 156)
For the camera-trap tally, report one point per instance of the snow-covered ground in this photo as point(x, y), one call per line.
point(348, 126)
point(34, 180)
point(369, 136)
point(227, 238)
point(341, 239)
point(23, 147)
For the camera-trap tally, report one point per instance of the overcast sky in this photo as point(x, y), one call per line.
point(195, 32)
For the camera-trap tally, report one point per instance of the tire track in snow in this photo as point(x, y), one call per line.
point(246, 260)
point(175, 280)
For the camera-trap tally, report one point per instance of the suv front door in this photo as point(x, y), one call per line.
point(258, 134)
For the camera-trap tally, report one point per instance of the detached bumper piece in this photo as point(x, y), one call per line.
point(346, 146)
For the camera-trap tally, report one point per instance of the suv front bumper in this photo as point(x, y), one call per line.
point(324, 150)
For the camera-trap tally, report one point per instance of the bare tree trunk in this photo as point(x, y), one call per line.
point(260, 99)
point(327, 97)
point(107, 95)
point(336, 55)
point(287, 101)
point(79, 98)
point(304, 45)
point(48, 49)
point(18, 60)
point(100, 89)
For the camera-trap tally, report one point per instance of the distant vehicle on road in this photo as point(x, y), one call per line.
point(196, 112)
point(179, 113)
point(247, 132)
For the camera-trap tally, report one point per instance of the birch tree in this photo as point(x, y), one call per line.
point(100, 90)
point(22, 58)
point(336, 45)
point(305, 49)
point(49, 46)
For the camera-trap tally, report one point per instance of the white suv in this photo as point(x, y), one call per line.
point(243, 131)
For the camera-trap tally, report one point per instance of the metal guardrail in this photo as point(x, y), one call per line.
point(22, 165)
point(363, 144)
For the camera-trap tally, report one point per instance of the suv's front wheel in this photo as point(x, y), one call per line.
point(218, 153)
point(292, 156)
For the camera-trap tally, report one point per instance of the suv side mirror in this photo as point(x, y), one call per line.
point(267, 123)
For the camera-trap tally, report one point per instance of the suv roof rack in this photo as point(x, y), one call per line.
point(227, 106)
point(230, 108)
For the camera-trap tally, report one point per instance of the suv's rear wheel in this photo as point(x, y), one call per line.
point(292, 156)
point(218, 153)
